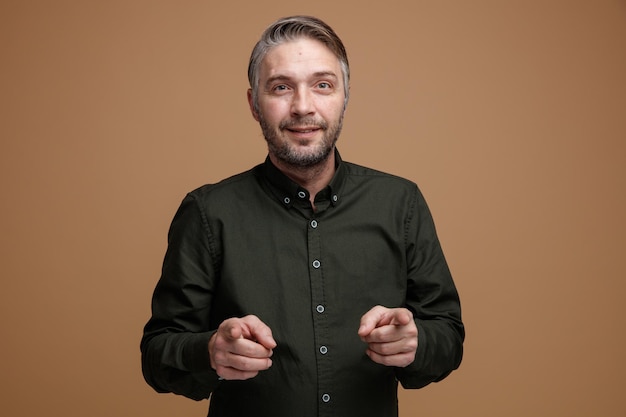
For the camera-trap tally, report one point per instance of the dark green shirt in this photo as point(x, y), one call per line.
point(252, 244)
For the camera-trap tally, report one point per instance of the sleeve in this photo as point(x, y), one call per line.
point(434, 301)
point(174, 347)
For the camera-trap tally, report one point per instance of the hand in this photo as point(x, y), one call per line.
point(390, 334)
point(241, 348)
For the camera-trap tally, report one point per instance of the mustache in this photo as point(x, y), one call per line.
point(302, 122)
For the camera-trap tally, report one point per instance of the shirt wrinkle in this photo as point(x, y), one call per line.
point(215, 254)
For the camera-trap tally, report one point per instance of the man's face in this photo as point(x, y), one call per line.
point(300, 102)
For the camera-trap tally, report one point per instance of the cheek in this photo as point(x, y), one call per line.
point(275, 110)
point(334, 111)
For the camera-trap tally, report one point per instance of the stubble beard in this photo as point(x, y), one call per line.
point(289, 154)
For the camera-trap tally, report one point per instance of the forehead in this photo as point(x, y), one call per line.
point(299, 58)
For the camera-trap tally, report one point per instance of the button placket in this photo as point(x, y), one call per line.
point(320, 319)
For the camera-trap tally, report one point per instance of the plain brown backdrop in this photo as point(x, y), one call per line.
point(510, 115)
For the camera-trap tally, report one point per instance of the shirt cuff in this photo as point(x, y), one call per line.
point(197, 352)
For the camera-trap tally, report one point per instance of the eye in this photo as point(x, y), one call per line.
point(324, 85)
point(280, 87)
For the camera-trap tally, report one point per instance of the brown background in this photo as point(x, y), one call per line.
point(511, 115)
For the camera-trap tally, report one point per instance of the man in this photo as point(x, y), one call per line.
point(307, 286)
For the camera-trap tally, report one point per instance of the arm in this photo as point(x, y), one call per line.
point(174, 346)
point(433, 299)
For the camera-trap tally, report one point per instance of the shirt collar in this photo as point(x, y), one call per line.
point(288, 192)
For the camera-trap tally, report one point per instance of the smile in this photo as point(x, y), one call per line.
point(303, 129)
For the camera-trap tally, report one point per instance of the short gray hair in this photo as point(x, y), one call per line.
point(289, 29)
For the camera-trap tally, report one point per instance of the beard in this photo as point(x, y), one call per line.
point(291, 154)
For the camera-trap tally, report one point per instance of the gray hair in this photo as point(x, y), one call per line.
point(289, 29)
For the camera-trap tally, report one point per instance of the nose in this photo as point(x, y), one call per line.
point(302, 103)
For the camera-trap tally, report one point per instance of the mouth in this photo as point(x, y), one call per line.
point(303, 127)
point(303, 130)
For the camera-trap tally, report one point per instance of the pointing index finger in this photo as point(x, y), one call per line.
point(371, 320)
point(259, 331)
point(381, 316)
point(401, 316)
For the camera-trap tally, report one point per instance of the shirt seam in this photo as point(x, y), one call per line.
point(214, 253)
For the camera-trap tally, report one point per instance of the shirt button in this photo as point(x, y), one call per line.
point(302, 194)
point(316, 264)
point(326, 398)
point(320, 309)
point(323, 350)
point(335, 198)
point(313, 224)
point(287, 200)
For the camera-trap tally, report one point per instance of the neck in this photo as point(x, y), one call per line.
point(312, 178)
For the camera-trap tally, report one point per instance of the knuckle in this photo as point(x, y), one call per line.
point(246, 364)
point(242, 363)
point(386, 360)
point(385, 349)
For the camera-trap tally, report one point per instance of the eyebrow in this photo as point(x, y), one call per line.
point(318, 74)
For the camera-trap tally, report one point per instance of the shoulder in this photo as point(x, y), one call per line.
point(360, 173)
point(229, 187)
point(381, 191)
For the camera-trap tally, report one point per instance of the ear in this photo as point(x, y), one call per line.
point(251, 104)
